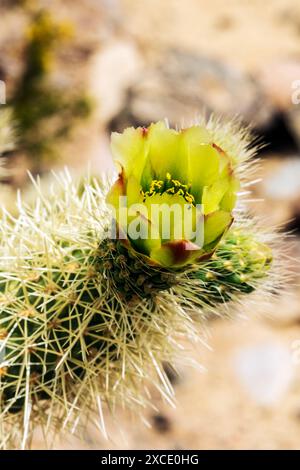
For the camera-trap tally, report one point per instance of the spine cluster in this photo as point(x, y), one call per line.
point(85, 321)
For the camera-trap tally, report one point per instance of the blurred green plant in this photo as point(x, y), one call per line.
point(45, 112)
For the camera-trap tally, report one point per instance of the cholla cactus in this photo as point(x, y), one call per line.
point(86, 320)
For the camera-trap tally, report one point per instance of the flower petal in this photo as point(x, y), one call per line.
point(196, 135)
point(143, 235)
point(117, 190)
point(129, 149)
point(215, 225)
point(229, 199)
point(225, 161)
point(133, 191)
point(166, 152)
point(171, 214)
point(212, 195)
point(204, 163)
point(176, 253)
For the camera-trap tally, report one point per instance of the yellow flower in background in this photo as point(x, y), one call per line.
point(164, 168)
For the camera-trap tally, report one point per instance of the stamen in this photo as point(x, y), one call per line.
point(169, 186)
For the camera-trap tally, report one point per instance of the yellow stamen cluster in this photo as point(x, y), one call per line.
point(169, 186)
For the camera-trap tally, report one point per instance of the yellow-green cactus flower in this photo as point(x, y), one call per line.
point(165, 168)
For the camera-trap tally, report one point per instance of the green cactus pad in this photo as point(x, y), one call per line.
point(237, 267)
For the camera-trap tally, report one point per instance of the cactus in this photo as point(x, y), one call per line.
point(87, 320)
point(238, 265)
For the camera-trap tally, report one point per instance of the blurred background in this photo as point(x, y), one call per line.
point(75, 70)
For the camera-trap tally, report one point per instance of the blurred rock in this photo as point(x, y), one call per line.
point(285, 182)
point(279, 188)
point(287, 311)
point(279, 83)
point(265, 371)
point(161, 423)
point(181, 84)
point(113, 70)
point(276, 80)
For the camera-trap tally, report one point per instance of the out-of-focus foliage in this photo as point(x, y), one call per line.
point(45, 112)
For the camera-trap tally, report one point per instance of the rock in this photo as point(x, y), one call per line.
point(287, 311)
point(161, 423)
point(266, 371)
point(113, 70)
point(280, 82)
point(276, 80)
point(181, 84)
point(284, 184)
point(279, 189)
